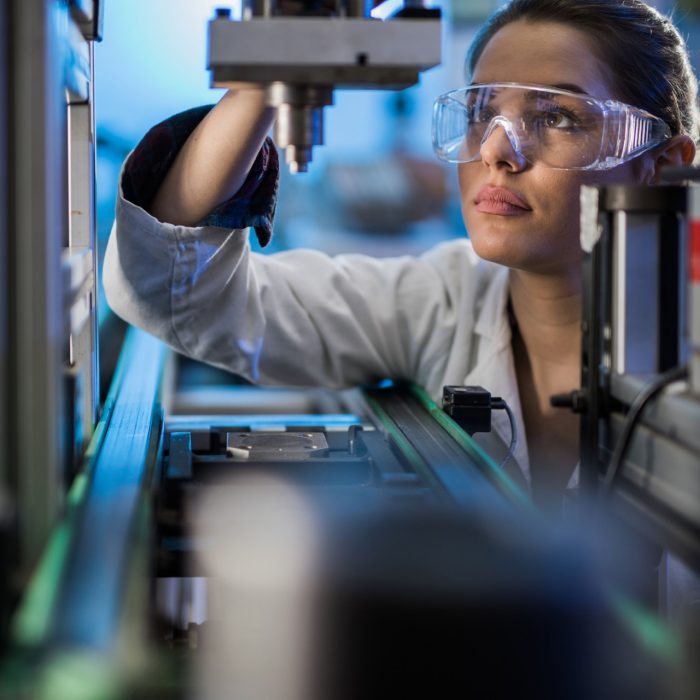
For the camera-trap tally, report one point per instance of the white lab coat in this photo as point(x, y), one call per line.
point(304, 318)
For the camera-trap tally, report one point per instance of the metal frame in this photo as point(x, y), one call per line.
point(5, 524)
point(442, 454)
point(80, 255)
point(90, 588)
point(661, 471)
point(38, 221)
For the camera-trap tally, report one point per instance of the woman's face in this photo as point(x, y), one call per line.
point(543, 237)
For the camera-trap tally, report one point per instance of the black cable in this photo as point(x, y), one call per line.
point(497, 402)
point(638, 405)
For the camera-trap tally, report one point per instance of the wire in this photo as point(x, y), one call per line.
point(497, 402)
point(638, 405)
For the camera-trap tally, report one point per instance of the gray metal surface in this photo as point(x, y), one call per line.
point(360, 77)
point(674, 413)
point(664, 469)
point(4, 249)
point(39, 195)
point(635, 293)
point(315, 42)
point(287, 446)
point(309, 56)
point(82, 240)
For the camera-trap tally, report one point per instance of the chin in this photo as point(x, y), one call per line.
point(525, 255)
point(512, 243)
point(494, 249)
point(500, 241)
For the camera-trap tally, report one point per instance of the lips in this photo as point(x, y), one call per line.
point(500, 200)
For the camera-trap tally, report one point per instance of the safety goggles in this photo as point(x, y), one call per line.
point(558, 128)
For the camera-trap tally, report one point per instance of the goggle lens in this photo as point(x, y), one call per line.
point(557, 128)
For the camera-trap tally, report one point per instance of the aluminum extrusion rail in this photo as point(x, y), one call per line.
point(439, 451)
point(90, 601)
point(82, 593)
point(658, 489)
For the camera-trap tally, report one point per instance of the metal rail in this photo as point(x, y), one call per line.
point(76, 602)
point(440, 452)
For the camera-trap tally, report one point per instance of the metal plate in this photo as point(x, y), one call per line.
point(276, 445)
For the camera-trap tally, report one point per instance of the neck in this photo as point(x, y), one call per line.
point(548, 312)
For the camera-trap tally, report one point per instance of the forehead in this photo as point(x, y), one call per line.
point(543, 53)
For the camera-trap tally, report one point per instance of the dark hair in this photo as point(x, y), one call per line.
point(648, 58)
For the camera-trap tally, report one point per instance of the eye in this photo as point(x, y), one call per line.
point(479, 115)
point(557, 119)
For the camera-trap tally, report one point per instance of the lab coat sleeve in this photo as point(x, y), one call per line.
point(297, 318)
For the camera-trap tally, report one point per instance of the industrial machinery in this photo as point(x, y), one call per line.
point(300, 52)
point(48, 321)
point(155, 543)
point(640, 409)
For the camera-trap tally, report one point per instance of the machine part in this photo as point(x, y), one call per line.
point(634, 414)
point(123, 464)
point(694, 286)
point(89, 16)
point(301, 59)
point(277, 446)
point(442, 454)
point(634, 340)
point(354, 441)
point(36, 111)
point(180, 456)
point(645, 330)
point(469, 406)
point(299, 124)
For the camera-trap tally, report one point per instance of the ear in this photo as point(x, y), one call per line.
point(677, 151)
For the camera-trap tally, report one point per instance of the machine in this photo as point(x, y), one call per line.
point(300, 52)
point(639, 399)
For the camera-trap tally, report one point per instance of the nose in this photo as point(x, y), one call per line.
point(500, 146)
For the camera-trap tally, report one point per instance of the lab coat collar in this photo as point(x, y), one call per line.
point(492, 320)
point(494, 368)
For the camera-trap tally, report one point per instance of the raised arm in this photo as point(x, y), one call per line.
point(213, 163)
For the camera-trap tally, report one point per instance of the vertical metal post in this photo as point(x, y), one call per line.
point(82, 246)
point(5, 495)
point(671, 295)
point(38, 195)
point(595, 328)
point(4, 238)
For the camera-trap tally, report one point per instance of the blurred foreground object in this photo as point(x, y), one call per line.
point(310, 602)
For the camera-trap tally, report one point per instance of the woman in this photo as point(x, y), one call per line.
point(502, 309)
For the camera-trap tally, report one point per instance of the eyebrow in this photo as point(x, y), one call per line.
point(571, 87)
